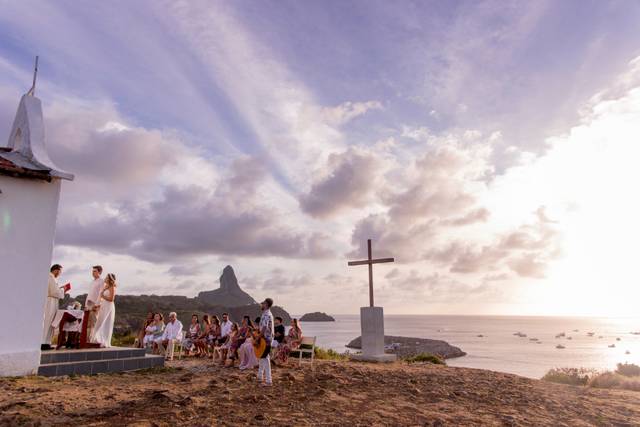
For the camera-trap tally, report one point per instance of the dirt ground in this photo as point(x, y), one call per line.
point(198, 393)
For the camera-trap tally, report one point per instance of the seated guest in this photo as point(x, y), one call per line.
point(278, 332)
point(291, 342)
point(153, 332)
point(192, 334)
point(225, 328)
point(225, 349)
point(201, 340)
point(172, 334)
point(214, 334)
point(246, 354)
point(143, 330)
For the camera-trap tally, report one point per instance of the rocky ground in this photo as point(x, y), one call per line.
point(412, 346)
point(197, 393)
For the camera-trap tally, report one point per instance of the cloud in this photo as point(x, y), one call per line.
point(352, 177)
point(348, 111)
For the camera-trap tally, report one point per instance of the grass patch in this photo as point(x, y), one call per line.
point(123, 340)
point(426, 358)
point(329, 354)
point(570, 376)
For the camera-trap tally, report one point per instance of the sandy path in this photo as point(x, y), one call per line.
point(197, 393)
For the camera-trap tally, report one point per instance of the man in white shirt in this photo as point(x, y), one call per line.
point(266, 330)
point(54, 294)
point(225, 327)
point(92, 305)
point(172, 333)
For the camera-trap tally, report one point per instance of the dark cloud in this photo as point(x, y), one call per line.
point(350, 182)
point(229, 219)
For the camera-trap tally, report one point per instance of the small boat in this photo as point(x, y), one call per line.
point(520, 334)
point(590, 334)
point(569, 338)
point(627, 352)
point(635, 333)
point(480, 336)
point(576, 330)
point(560, 346)
point(560, 335)
point(618, 339)
point(612, 346)
point(534, 339)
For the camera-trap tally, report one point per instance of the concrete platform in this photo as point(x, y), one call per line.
point(374, 358)
point(96, 361)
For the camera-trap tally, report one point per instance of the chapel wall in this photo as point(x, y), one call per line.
point(28, 212)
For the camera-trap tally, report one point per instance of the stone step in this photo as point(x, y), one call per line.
point(86, 355)
point(92, 367)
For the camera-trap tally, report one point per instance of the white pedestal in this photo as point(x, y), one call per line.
point(372, 326)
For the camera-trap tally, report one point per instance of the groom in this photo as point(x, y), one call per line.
point(92, 304)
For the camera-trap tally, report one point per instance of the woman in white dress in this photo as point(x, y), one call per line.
point(103, 329)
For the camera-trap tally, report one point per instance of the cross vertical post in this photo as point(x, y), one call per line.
point(370, 273)
point(370, 261)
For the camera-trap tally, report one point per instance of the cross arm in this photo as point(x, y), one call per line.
point(373, 261)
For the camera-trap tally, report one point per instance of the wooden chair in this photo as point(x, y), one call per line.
point(308, 346)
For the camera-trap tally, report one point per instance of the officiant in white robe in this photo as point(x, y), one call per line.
point(54, 294)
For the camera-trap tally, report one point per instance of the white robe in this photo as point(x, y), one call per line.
point(54, 293)
point(103, 330)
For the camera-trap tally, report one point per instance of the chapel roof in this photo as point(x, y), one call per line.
point(25, 155)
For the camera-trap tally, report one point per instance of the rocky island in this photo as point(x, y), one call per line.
point(317, 316)
point(407, 347)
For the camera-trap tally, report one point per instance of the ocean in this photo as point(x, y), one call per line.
point(586, 340)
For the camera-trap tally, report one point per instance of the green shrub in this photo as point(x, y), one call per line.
point(571, 376)
point(426, 358)
point(320, 353)
point(628, 370)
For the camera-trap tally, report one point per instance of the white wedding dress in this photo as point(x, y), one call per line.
point(103, 329)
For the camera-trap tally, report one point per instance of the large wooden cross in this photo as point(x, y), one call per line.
point(370, 263)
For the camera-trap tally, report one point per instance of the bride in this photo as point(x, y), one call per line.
point(103, 329)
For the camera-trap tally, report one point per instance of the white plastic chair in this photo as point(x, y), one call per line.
point(307, 341)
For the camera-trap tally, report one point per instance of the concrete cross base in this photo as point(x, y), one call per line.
point(374, 358)
point(372, 326)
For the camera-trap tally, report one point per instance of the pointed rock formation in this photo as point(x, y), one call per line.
point(229, 294)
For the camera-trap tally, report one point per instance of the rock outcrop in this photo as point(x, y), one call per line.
point(229, 294)
point(317, 316)
point(407, 347)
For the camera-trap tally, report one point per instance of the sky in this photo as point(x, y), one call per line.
point(489, 146)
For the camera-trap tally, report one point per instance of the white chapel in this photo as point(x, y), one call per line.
point(29, 195)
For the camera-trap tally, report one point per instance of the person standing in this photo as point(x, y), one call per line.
point(103, 330)
point(266, 332)
point(92, 305)
point(54, 294)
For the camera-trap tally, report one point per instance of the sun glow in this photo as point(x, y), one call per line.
point(587, 182)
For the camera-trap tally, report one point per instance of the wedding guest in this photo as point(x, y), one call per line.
point(246, 354)
point(192, 334)
point(172, 334)
point(214, 335)
point(266, 335)
point(156, 329)
point(225, 328)
point(103, 330)
point(92, 303)
point(278, 332)
point(291, 342)
point(201, 340)
point(225, 349)
point(143, 330)
point(54, 294)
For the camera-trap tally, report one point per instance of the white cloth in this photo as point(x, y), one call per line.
point(225, 328)
point(173, 331)
point(78, 314)
point(95, 289)
point(149, 336)
point(54, 293)
point(103, 330)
